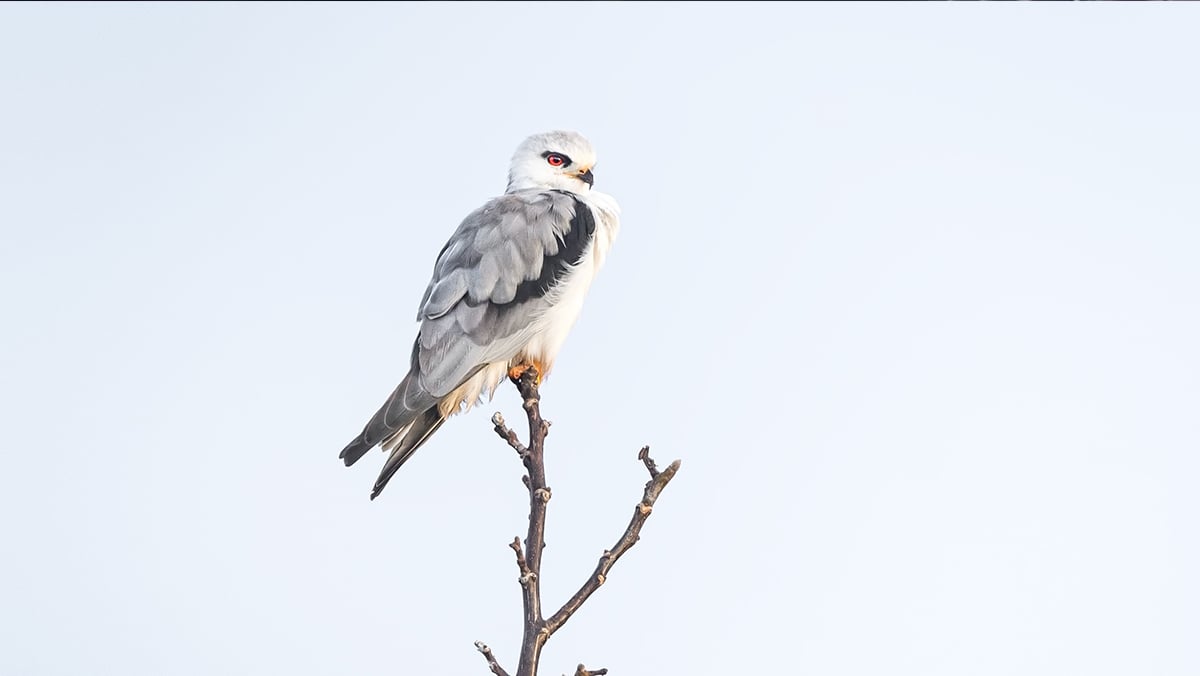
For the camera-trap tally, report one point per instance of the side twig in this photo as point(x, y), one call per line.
point(658, 481)
point(491, 659)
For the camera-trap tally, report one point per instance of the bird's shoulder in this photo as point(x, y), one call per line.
point(521, 210)
point(508, 249)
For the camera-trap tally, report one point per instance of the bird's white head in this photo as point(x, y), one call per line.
point(555, 160)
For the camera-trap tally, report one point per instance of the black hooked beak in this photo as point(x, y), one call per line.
point(587, 177)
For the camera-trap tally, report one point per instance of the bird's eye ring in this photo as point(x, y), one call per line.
point(556, 160)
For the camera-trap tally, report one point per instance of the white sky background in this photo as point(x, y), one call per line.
point(911, 290)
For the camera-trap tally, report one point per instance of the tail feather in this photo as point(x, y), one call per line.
point(418, 433)
point(389, 420)
point(407, 403)
point(356, 449)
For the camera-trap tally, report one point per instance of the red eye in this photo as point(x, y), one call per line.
point(556, 160)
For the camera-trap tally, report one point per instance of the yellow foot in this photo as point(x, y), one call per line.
point(515, 372)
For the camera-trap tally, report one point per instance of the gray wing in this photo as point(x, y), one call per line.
point(492, 278)
point(489, 281)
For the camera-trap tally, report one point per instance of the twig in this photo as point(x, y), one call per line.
point(658, 481)
point(644, 456)
point(508, 435)
point(583, 671)
point(491, 659)
point(522, 564)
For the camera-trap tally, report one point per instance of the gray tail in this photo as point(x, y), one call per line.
point(422, 428)
point(407, 403)
point(356, 449)
point(392, 417)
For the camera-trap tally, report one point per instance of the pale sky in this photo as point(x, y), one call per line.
point(912, 290)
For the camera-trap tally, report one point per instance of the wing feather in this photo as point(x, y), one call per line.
point(445, 294)
point(491, 279)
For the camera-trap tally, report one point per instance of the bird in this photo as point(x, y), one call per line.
point(506, 289)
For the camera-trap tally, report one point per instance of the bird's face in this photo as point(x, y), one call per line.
point(561, 160)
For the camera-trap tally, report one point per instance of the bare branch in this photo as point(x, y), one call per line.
point(491, 659)
point(535, 540)
point(641, 512)
point(538, 630)
point(508, 435)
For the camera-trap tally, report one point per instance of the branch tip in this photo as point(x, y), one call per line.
point(522, 563)
point(508, 435)
point(493, 665)
point(644, 456)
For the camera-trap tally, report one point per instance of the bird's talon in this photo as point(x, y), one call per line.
point(516, 372)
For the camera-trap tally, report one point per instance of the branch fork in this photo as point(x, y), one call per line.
point(538, 629)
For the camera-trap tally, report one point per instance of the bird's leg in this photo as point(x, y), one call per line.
point(515, 372)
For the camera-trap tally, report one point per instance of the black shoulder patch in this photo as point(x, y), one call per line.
point(570, 252)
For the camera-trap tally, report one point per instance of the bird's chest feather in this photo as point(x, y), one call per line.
point(565, 300)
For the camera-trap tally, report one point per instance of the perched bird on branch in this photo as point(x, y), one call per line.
point(506, 289)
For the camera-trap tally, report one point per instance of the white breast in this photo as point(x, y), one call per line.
point(548, 330)
point(566, 300)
